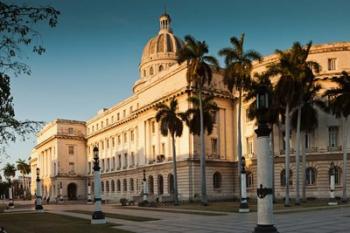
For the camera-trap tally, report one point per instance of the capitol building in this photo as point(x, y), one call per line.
point(130, 142)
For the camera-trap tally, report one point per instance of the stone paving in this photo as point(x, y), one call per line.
point(317, 221)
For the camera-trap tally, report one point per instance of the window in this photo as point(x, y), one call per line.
point(112, 119)
point(131, 109)
point(332, 63)
point(107, 143)
point(217, 180)
point(333, 136)
point(89, 167)
point(103, 165)
point(131, 184)
point(125, 160)
point(124, 113)
point(107, 165)
point(283, 177)
point(97, 126)
point(337, 175)
point(107, 122)
point(250, 179)
point(132, 159)
point(160, 185)
point(125, 137)
point(113, 186)
point(160, 68)
point(113, 163)
point(310, 176)
point(101, 124)
point(118, 186)
point(144, 73)
point(113, 142)
point(163, 149)
point(70, 130)
point(119, 140)
point(102, 145)
point(153, 152)
point(125, 185)
point(214, 146)
point(71, 167)
point(118, 116)
point(249, 141)
point(93, 128)
point(119, 161)
point(71, 150)
point(153, 127)
point(307, 141)
point(107, 186)
point(151, 71)
point(102, 187)
point(132, 135)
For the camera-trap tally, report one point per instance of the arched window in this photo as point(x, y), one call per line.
point(102, 187)
point(151, 71)
point(131, 184)
point(217, 180)
point(170, 183)
point(310, 176)
point(283, 177)
point(107, 186)
point(118, 186)
point(125, 185)
point(337, 175)
point(144, 73)
point(160, 68)
point(160, 184)
point(250, 179)
point(150, 185)
point(113, 186)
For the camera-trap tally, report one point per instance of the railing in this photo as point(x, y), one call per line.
point(334, 148)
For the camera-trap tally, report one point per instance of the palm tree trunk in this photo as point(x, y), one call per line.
point(239, 139)
point(204, 198)
point(287, 136)
point(303, 170)
point(176, 200)
point(345, 161)
point(297, 158)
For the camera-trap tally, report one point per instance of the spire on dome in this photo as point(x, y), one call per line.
point(165, 21)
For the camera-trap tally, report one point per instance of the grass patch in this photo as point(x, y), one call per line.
point(47, 222)
point(117, 216)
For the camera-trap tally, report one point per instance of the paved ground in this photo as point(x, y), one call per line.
point(318, 221)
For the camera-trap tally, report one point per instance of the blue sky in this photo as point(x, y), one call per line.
point(93, 54)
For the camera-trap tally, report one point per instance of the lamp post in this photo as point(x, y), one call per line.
point(243, 207)
point(145, 187)
point(98, 217)
point(265, 222)
point(89, 200)
point(38, 194)
point(332, 200)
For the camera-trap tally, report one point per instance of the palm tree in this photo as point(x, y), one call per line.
point(237, 76)
point(291, 71)
point(24, 169)
point(9, 171)
point(199, 73)
point(339, 105)
point(171, 122)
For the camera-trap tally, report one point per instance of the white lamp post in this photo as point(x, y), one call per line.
point(38, 194)
point(332, 200)
point(243, 207)
point(265, 221)
point(89, 200)
point(11, 202)
point(145, 187)
point(98, 216)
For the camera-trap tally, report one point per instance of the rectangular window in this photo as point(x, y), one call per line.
point(125, 137)
point(102, 165)
point(130, 109)
point(132, 159)
point(153, 152)
point(71, 167)
point(71, 150)
point(153, 127)
point(307, 141)
point(93, 128)
point(112, 119)
point(101, 124)
point(119, 141)
point(107, 165)
point(107, 122)
point(333, 136)
point(249, 141)
point(70, 130)
point(124, 113)
point(113, 163)
point(97, 126)
point(107, 142)
point(132, 135)
point(118, 116)
point(102, 145)
point(89, 167)
point(125, 160)
point(119, 161)
point(113, 143)
point(214, 146)
point(332, 63)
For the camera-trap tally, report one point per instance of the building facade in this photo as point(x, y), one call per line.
point(130, 143)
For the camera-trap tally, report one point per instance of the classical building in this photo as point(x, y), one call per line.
point(129, 139)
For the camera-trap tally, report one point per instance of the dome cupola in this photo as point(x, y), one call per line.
point(160, 51)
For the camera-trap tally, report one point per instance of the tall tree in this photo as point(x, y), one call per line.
point(339, 105)
point(9, 171)
point(16, 32)
point(199, 74)
point(171, 122)
point(24, 169)
point(237, 77)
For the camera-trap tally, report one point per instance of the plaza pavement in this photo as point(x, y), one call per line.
point(335, 220)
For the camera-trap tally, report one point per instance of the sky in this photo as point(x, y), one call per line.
point(92, 56)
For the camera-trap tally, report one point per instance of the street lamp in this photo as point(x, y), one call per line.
point(145, 187)
point(264, 166)
point(98, 217)
point(332, 200)
point(89, 201)
point(38, 194)
point(243, 207)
